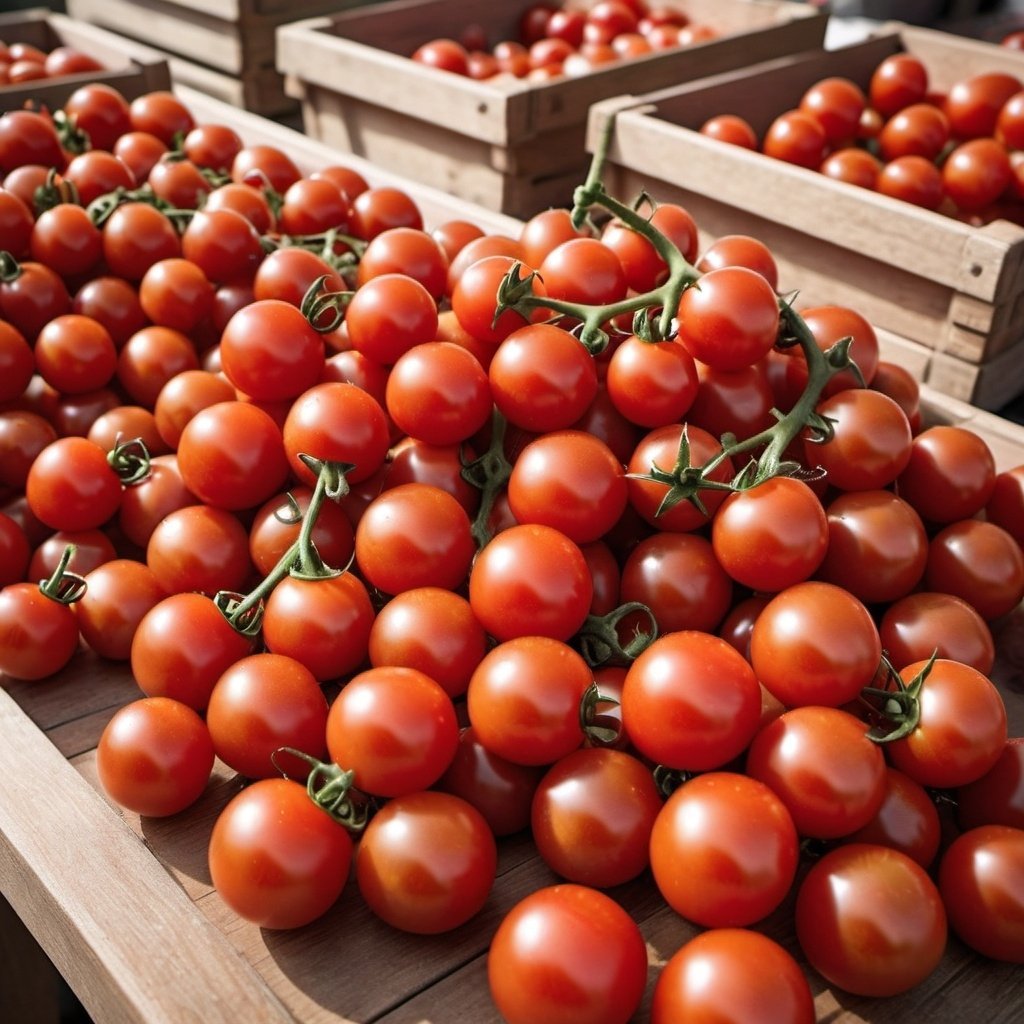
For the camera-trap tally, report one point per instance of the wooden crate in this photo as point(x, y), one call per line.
point(126, 910)
point(222, 47)
point(132, 73)
point(504, 143)
point(956, 289)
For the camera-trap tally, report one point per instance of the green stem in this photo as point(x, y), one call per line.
point(489, 474)
point(64, 586)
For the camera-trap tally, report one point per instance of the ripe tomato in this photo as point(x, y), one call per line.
point(973, 104)
point(837, 105)
point(796, 138)
point(732, 129)
point(71, 486)
point(530, 580)
point(920, 623)
point(976, 173)
point(144, 504)
point(1005, 506)
point(136, 236)
point(38, 635)
point(899, 80)
point(815, 643)
point(426, 862)
point(723, 850)
point(732, 974)
point(119, 593)
point(75, 354)
point(101, 112)
point(914, 179)
point(154, 757)
point(583, 270)
point(652, 384)
point(114, 302)
point(853, 165)
point(567, 954)
point(474, 287)
point(276, 858)
point(66, 240)
point(870, 920)
point(390, 314)
point(921, 129)
point(161, 114)
point(997, 798)
point(379, 209)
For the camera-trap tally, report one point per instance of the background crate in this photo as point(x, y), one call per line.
point(504, 143)
point(132, 71)
point(955, 289)
point(222, 47)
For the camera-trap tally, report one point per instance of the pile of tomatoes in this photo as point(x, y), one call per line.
point(23, 62)
point(961, 152)
point(556, 40)
point(272, 443)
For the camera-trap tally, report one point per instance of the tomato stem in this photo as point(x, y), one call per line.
point(316, 303)
point(599, 735)
point(64, 586)
point(899, 709)
point(330, 788)
point(488, 473)
point(599, 640)
point(130, 460)
point(10, 268)
point(55, 191)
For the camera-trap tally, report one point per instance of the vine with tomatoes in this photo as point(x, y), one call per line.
point(438, 536)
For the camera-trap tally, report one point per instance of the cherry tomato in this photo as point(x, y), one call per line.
point(976, 174)
point(71, 486)
point(38, 635)
point(732, 129)
point(997, 798)
point(1005, 506)
point(921, 129)
point(973, 103)
point(136, 236)
point(899, 80)
point(796, 138)
point(853, 165)
point(914, 179)
point(837, 104)
point(119, 593)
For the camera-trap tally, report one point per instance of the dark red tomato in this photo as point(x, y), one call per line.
point(907, 820)
point(411, 461)
point(180, 183)
point(71, 486)
point(950, 475)
point(914, 627)
point(75, 354)
point(443, 54)
point(1010, 123)
point(853, 165)
point(823, 767)
point(524, 700)
point(114, 302)
point(530, 580)
point(101, 112)
point(439, 393)
point(981, 879)
point(723, 850)
point(897, 82)
point(501, 790)
point(571, 481)
point(736, 628)
point(568, 25)
point(677, 576)
point(870, 444)
point(700, 726)
point(474, 291)
point(16, 363)
point(542, 378)
point(23, 435)
point(976, 174)
point(231, 455)
point(973, 104)
point(136, 236)
point(378, 209)
point(814, 643)
point(323, 623)
point(426, 862)
point(144, 504)
point(738, 402)
point(567, 954)
point(22, 182)
point(877, 546)
point(312, 206)
point(772, 535)
point(119, 593)
point(339, 422)
point(161, 114)
point(139, 152)
point(223, 244)
point(592, 816)
point(93, 548)
point(980, 563)
point(276, 858)
point(914, 179)
point(921, 129)
point(66, 240)
point(659, 451)
point(199, 548)
point(730, 128)
point(175, 293)
point(1005, 506)
point(181, 648)
point(731, 320)
point(262, 165)
point(796, 138)
point(962, 728)
point(260, 704)
point(16, 223)
point(154, 757)
point(38, 635)
point(212, 145)
point(732, 974)
point(651, 384)
point(33, 299)
point(27, 137)
point(14, 551)
point(150, 358)
point(95, 173)
point(997, 798)
point(870, 920)
point(837, 105)
point(184, 395)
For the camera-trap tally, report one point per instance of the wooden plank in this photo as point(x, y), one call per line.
point(100, 904)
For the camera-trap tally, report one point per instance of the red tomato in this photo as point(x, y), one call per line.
point(199, 548)
point(976, 174)
point(38, 635)
point(567, 954)
point(390, 314)
point(898, 81)
point(973, 104)
point(997, 798)
point(914, 179)
point(796, 138)
point(853, 165)
point(870, 920)
point(119, 593)
point(1005, 506)
point(426, 862)
point(652, 384)
point(837, 105)
point(71, 486)
point(732, 129)
point(276, 858)
point(732, 974)
point(921, 129)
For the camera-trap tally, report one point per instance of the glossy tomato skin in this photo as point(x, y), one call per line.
point(71, 486)
point(277, 859)
point(823, 767)
point(155, 756)
point(732, 975)
point(38, 635)
point(997, 798)
point(962, 729)
point(426, 862)
point(118, 595)
point(815, 643)
point(870, 920)
point(592, 816)
point(1005, 506)
point(723, 850)
point(567, 954)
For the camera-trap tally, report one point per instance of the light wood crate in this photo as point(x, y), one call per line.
point(221, 47)
point(132, 73)
point(953, 289)
point(504, 143)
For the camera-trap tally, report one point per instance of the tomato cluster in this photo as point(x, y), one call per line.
point(960, 152)
point(23, 62)
point(473, 549)
point(556, 40)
